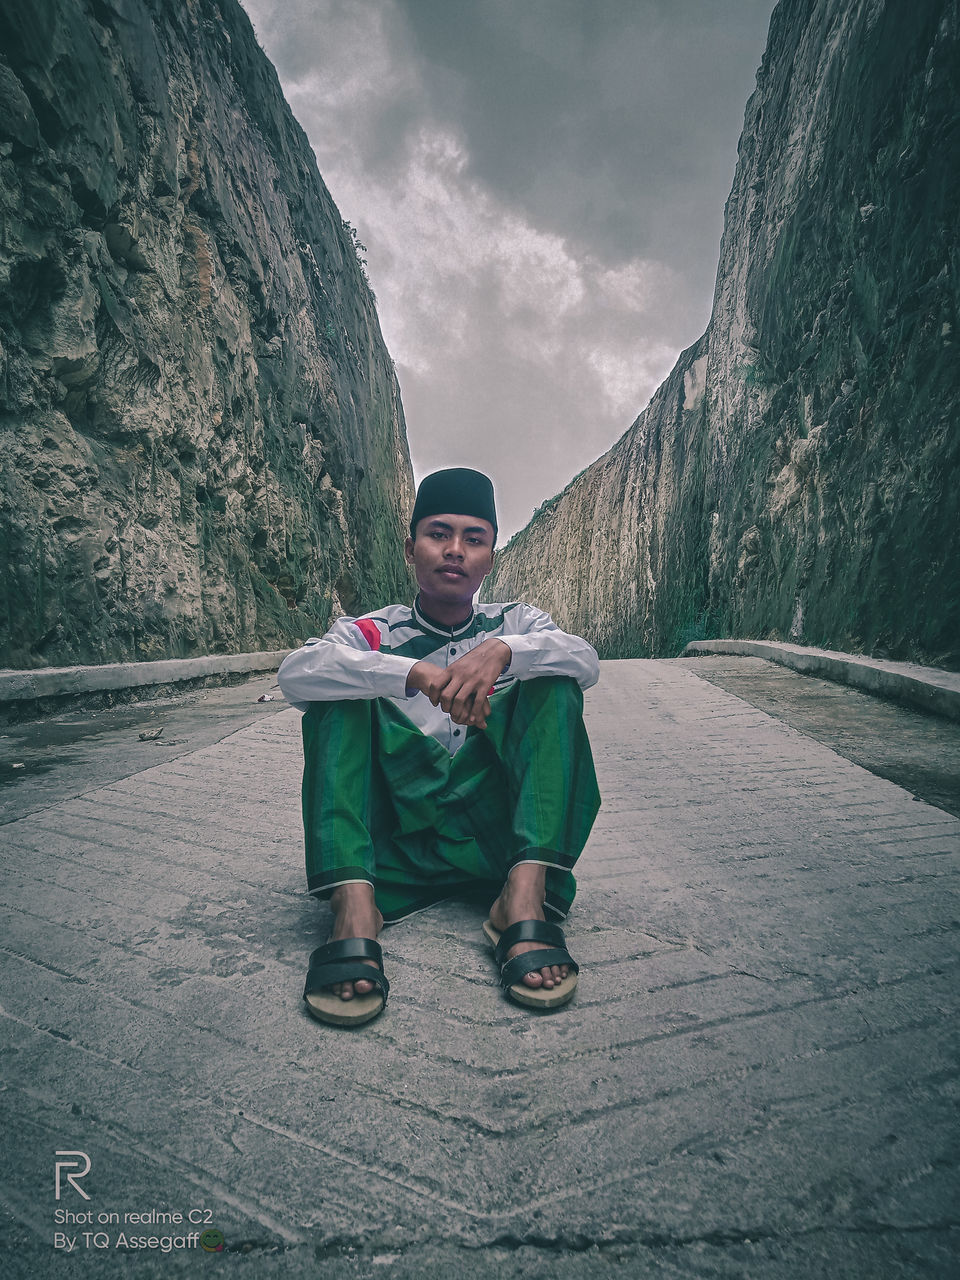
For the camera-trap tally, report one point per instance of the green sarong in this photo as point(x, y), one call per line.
point(386, 803)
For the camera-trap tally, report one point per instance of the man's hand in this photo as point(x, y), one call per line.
point(461, 689)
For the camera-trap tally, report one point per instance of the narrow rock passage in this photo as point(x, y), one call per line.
point(758, 1075)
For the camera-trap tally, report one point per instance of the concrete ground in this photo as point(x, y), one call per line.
point(917, 751)
point(758, 1077)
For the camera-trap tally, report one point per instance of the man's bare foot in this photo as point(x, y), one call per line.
point(522, 899)
point(356, 917)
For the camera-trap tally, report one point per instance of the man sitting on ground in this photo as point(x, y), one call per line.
point(444, 752)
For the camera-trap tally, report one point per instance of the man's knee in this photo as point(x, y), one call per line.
point(349, 709)
point(333, 726)
point(562, 690)
point(532, 714)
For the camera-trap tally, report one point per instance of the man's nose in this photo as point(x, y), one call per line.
point(454, 549)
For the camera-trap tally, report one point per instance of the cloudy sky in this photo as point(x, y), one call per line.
point(540, 187)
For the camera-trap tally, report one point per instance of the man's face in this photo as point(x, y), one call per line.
point(451, 555)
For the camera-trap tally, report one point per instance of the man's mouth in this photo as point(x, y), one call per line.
point(452, 570)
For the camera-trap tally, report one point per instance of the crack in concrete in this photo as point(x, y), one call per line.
point(362, 1247)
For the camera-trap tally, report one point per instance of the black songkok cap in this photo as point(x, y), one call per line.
point(458, 491)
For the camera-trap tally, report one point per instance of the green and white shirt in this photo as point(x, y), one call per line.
point(371, 657)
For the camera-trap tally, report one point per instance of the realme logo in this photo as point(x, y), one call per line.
point(80, 1170)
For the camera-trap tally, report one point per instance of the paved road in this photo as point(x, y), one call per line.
point(918, 751)
point(63, 755)
point(758, 1078)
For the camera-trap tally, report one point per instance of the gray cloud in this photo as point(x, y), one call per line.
point(540, 184)
point(615, 120)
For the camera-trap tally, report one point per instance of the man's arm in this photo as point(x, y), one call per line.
point(462, 689)
point(534, 646)
point(540, 648)
point(345, 664)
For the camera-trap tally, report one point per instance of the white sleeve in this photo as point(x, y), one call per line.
point(540, 648)
point(341, 666)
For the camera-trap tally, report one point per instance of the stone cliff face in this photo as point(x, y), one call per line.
point(201, 436)
point(797, 475)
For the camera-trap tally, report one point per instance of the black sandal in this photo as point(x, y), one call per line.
point(512, 971)
point(343, 962)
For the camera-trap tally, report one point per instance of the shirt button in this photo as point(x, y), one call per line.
point(456, 733)
point(452, 652)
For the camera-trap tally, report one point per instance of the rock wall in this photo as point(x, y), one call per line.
point(797, 475)
point(201, 437)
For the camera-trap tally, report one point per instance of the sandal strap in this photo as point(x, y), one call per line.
point(514, 970)
point(342, 961)
point(529, 931)
point(348, 949)
point(325, 975)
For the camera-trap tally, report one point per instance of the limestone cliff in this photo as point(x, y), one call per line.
point(201, 437)
point(797, 475)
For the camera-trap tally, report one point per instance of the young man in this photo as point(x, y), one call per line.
point(444, 752)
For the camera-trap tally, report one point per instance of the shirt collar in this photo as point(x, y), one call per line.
point(427, 623)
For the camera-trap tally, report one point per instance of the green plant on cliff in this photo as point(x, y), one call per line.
point(360, 250)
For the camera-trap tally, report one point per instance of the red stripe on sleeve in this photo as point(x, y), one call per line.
point(370, 631)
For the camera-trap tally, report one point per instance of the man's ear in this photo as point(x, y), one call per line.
point(408, 550)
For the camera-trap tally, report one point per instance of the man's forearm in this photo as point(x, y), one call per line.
point(326, 671)
point(554, 653)
point(462, 688)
